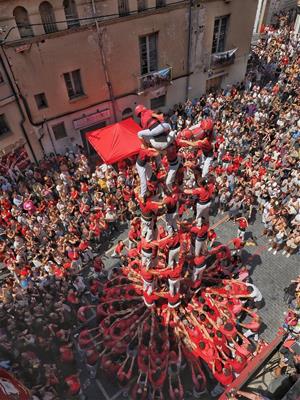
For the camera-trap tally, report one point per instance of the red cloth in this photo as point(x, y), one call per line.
point(23, 393)
point(116, 142)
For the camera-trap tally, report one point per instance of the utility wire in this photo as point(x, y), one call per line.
point(96, 17)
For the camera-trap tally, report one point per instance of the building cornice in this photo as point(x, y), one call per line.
point(102, 23)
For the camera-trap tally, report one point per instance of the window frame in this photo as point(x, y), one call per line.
point(42, 96)
point(53, 127)
point(221, 36)
point(160, 3)
point(72, 17)
point(123, 8)
point(151, 64)
point(142, 5)
point(48, 17)
point(24, 28)
point(155, 106)
point(72, 83)
point(4, 123)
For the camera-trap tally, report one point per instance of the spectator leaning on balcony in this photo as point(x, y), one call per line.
point(155, 131)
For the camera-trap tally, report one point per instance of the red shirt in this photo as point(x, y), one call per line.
point(201, 232)
point(204, 193)
point(66, 354)
point(243, 223)
point(146, 119)
point(73, 383)
point(148, 207)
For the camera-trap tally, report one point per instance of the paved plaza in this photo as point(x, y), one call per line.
point(270, 273)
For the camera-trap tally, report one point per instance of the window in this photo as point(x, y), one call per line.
point(4, 128)
point(148, 53)
point(160, 3)
point(127, 113)
point(123, 8)
point(141, 5)
point(22, 22)
point(71, 13)
point(73, 84)
point(219, 36)
point(48, 17)
point(41, 101)
point(59, 131)
point(158, 102)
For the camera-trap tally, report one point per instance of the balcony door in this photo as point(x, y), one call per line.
point(148, 53)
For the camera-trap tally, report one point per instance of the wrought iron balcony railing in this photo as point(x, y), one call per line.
point(223, 59)
point(155, 79)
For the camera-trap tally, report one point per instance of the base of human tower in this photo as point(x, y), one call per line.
point(148, 337)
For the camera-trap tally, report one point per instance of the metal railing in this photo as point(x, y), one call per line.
point(223, 59)
point(155, 79)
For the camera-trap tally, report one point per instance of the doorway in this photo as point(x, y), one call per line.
point(214, 84)
point(86, 144)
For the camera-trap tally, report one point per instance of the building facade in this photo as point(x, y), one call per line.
point(77, 65)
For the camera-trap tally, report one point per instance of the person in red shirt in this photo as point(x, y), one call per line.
point(242, 226)
point(204, 193)
point(171, 200)
point(73, 383)
point(149, 208)
point(201, 238)
point(118, 249)
point(155, 131)
point(133, 236)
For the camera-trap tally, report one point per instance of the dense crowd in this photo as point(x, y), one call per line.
point(238, 147)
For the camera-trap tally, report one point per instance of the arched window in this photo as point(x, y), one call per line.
point(48, 17)
point(127, 113)
point(22, 21)
point(71, 13)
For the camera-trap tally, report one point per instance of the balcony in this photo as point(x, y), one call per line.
point(223, 59)
point(155, 80)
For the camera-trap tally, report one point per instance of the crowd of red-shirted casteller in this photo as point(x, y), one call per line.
point(179, 311)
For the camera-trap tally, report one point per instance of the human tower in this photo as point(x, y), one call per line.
point(176, 306)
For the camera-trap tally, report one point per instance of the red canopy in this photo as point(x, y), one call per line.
point(116, 142)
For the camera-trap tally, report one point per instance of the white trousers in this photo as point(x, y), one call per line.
point(173, 257)
point(241, 234)
point(202, 211)
point(200, 245)
point(171, 224)
point(147, 229)
point(172, 174)
point(197, 273)
point(205, 164)
point(148, 286)
point(146, 259)
point(145, 173)
point(174, 286)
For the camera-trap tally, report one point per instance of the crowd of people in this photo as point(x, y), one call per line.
point(233, 151)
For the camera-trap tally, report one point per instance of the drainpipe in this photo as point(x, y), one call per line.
point(103, 62)
point(50, 136)
point(188, 58)
point(18, 102)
